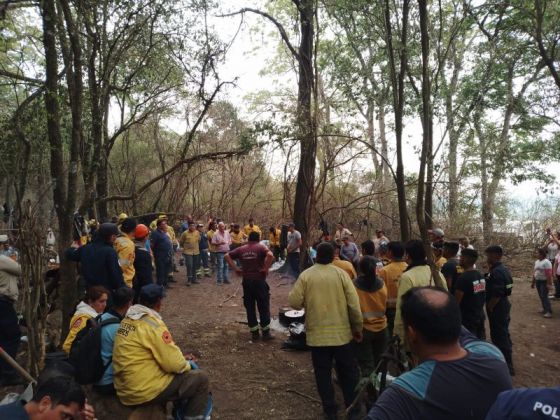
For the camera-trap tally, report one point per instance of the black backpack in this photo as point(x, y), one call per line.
point(85, 353)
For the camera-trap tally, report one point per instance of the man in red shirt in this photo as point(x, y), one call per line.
point(255, 260)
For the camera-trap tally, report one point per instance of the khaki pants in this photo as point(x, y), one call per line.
point(189, 389)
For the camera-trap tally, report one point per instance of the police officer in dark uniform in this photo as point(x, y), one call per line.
point(499, 284)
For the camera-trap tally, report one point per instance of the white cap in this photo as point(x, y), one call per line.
point(3, 238)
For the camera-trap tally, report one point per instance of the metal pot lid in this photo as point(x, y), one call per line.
point(295, 314)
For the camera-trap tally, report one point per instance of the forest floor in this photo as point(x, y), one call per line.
point(257, 380)
point(261, 381)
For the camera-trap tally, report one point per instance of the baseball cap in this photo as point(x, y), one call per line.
point(152, 292)
point(108, 229)
point(438, 232)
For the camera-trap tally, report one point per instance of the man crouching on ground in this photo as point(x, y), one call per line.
point(148, 366)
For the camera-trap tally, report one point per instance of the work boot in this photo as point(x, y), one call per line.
point(255, 335)
point(267, 336)
point(227, 282)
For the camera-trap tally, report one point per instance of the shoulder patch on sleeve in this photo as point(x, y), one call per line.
point(417, 380)
point(77, 323)
point(166, 337)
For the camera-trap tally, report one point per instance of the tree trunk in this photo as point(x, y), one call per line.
point(397, 85)
point(306, 125)
point(385, 201)
point(57, 166)
point(453, 133)
point(422, 198)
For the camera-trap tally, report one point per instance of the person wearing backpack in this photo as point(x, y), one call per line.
point(94, 303)
point(122, 300)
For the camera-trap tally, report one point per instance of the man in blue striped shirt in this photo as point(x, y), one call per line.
point(459, 377)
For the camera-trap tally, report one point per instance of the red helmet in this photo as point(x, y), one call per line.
point(141, 231)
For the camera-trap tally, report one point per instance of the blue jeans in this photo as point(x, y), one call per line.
point(204, 258)
point(542, 288)
point(192, 262)
point(222, 275)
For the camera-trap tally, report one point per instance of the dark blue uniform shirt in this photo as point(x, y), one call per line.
point(458, 389)
point(527, 403)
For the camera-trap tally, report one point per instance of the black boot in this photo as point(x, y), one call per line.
point(255, 335)
point(267, 336)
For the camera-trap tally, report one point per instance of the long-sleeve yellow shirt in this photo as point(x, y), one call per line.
point(145, 358)
point(390, 274)
point(332, 308)
point(274, 240)
point(418, 276)
point(77, 323)
point(126, 251)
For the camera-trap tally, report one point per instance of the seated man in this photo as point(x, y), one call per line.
point(526, 403)
point(458, 376)
point(148, 367)
point(122, 300)
point(56, 398)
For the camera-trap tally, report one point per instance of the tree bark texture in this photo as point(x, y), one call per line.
point(306, 125)
point(57, 165)
point(397, 84)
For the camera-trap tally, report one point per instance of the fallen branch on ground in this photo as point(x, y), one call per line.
point(230, 296)
point(301, 394)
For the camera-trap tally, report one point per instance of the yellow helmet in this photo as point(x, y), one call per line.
point(122, 216)
point(162, 217)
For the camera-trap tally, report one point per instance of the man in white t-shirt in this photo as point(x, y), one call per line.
point(341, 232)
point(542, 280)
point(294, 245)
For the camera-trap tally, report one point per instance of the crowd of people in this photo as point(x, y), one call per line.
point(357, 299)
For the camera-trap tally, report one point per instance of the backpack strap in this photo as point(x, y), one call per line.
point(109, 321)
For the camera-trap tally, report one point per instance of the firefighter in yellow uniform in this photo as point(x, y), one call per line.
point(148, 366)
point(94, 304)
point(238, 237)
point(211, 247)
point(274, 242)
point(251, 227)
point(124, 245)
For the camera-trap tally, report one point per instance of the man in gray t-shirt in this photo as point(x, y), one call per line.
point(294, 244)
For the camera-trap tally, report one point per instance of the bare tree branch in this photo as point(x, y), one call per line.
point(278, 25)
point(21, 77)
point(177, 166)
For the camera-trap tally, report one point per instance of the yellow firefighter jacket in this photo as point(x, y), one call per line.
point(145, 357)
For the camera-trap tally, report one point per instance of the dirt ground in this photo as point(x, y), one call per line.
point(258, 380)
point(262, 381)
